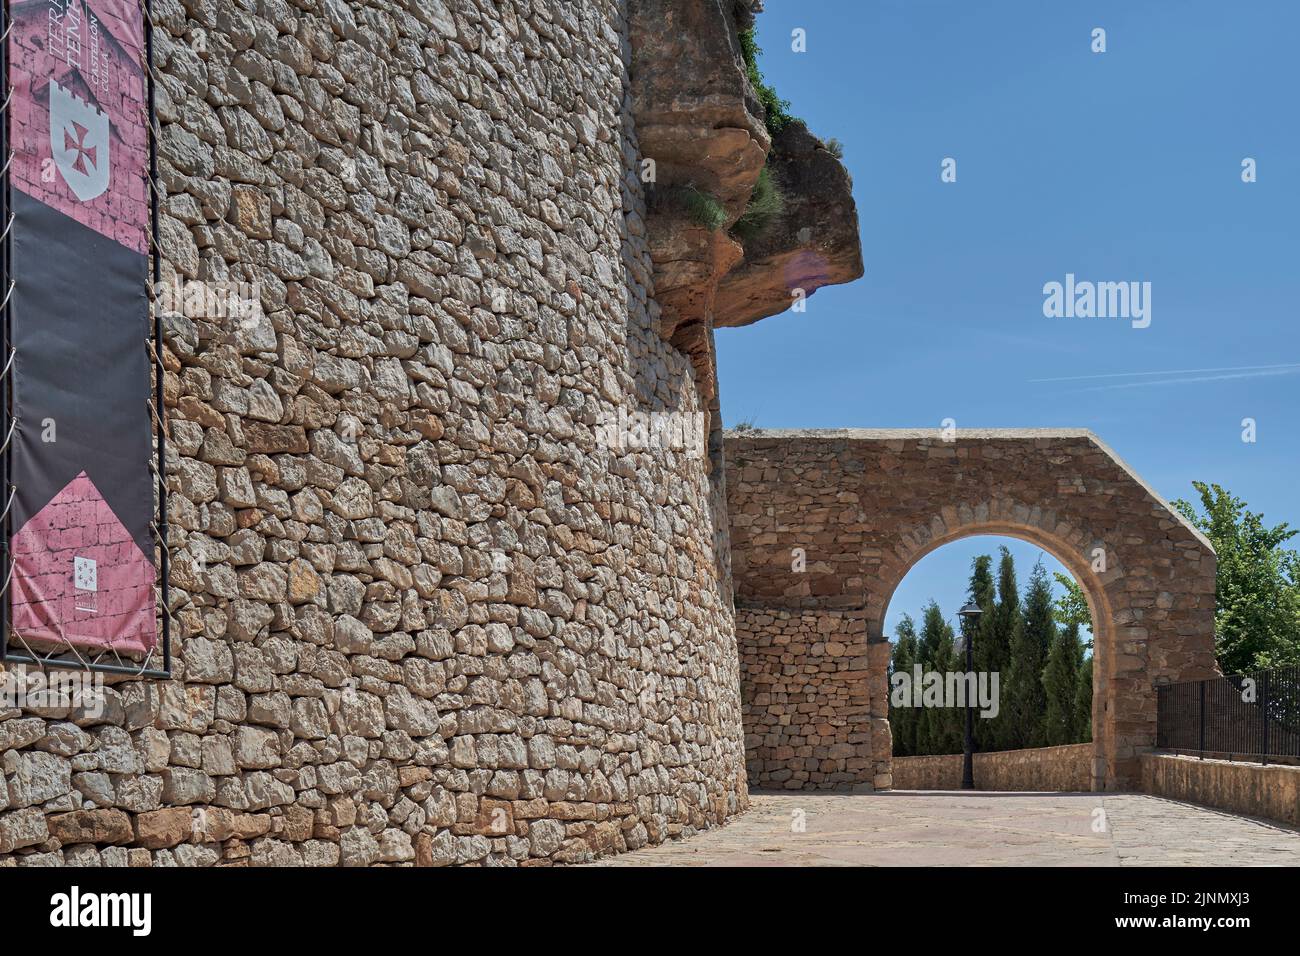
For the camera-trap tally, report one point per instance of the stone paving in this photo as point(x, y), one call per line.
point(933, 828)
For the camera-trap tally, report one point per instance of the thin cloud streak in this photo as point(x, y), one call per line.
point(1184, 371)
point(1188, 381)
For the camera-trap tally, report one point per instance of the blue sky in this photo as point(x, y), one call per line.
point(1115, 166)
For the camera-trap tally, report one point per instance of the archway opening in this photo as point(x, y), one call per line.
point(1032, 650)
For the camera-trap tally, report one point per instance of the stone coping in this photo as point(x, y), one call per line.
point(962, 435)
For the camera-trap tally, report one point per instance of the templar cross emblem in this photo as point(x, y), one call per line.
point(79, 142)
point(84, 152)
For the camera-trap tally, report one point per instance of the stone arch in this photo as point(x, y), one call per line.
point(870, 504)
point(1070, 545)
point(1101, 590)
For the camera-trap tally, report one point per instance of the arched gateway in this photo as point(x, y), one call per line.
point(825, 524)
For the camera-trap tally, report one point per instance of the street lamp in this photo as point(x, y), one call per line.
point(970, 615)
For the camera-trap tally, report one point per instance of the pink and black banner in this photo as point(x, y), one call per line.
point(81, 547)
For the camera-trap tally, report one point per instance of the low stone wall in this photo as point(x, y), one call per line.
point(1064, 769)
point(1252, 789)
point(812, 719)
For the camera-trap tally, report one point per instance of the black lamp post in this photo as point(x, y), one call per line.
point(970, 615)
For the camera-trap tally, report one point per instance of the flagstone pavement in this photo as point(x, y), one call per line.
point(932, 828)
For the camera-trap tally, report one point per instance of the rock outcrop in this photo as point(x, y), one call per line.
point(700, 123)
point(813, 243)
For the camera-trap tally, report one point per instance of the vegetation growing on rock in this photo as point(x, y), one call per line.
point(765, 206)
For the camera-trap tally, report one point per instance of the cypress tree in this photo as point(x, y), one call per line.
point(1060, 681)
point(1083, 704)
point(995, 640)
point(939, 732)
point(903, 721)
point(983, 592)
point(1026, 699)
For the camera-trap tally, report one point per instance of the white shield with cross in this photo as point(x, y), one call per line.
point(79, 141)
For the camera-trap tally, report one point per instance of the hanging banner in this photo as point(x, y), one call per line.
point(82, 552)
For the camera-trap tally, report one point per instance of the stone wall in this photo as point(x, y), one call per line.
point(1253, 789)
point(807, 701)
point(423, 612)
point(832, 520)
point(1066, 769)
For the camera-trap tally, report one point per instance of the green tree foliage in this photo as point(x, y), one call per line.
point(1060, 685)
point(993, 650)
point(1045, 681)
point(1257, 590)
point(1083, 704)
point(982, 591)
point(940, 730)
point(935, 730)
point(1025, 698)
point(1071, 608)
point(904, 721)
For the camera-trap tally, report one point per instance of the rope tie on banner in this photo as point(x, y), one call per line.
point(13, 284)
point(13, 427)
point(13, 495)
point(4, 235)
point(4, 171)
point(40, 661)
point(13, 352)
point(112, 649)
point(153, 414)
point(144, 665)
point(85, 664)
point(153, 351)
point(155, 76)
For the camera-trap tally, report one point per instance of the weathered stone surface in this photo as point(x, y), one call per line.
point(157, 829)
point(35, 777)
point(92, 826)
point(22, 828)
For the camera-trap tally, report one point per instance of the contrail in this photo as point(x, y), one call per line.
point(1184, 371)
point(1284, 370)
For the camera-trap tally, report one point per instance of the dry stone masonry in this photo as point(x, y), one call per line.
point(423, 612)
point(807, 692)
